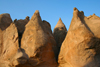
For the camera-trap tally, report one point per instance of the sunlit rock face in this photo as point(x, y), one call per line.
point(5, 21)
point(10, 53)
point(59, 34)
point(93, 23)
point(31, 43)
point(80, 47)
point(39, 43)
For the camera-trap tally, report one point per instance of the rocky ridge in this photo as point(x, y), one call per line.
point(31, 42)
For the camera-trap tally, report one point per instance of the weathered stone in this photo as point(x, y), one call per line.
point(38, 42)
point(93, 23)
point(5, 21)
point(1, 41)
point(20, 24)
point(93, 17)
point(80, 47)
point(59, 33)
point(9, 48)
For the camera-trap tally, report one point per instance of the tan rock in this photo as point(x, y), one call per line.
point(93, 17)
point(93, 23)
point(1, 41)
point(48, 26)
point(80, 47)
point(59, 33)
point(39, 43)
point(20, 24)
point(5, 21)
point(9, 48)
point(10, 39)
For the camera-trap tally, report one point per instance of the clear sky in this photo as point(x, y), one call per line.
point(50, 10)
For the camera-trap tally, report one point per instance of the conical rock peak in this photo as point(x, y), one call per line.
point(60, 24)
point(36, 15)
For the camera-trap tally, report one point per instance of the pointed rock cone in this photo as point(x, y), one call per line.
point(9, 48)
point(9, 45)
point(80, 47)
point(60, 24)
point(5, 21)
point(36, 16)
point(59, 34)
point(38, 42)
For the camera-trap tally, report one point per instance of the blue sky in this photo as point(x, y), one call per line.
point(50, 10)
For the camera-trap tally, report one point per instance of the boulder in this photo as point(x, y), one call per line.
point(80, 47)
point(5, 21)
point(38, 42)
point(59, 33)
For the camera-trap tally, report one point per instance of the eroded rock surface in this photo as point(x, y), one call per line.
point(80, 47)
point(38, 48)
point(20, 24)
point(5, 21)
point(59, 33)
point(93, 17)
point(10, 53)
point(39, 43)
point(93, 23)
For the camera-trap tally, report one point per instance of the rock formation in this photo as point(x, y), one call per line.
point(10, 53)
point(38, 42)
point(20, 24)
point(93, 23)
point(5, 21)
point(39, 47)
point(80, 47)
point(1, 36)
point(93, 17)
point(59, 33)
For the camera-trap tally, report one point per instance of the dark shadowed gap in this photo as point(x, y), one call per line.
point(20, 36)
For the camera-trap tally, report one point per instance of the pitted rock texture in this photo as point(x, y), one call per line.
point(31, 43)
point(38, 42)
point(80, 47)
point(9, 48)
point(93, 23)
